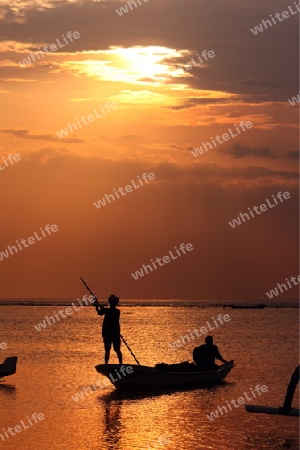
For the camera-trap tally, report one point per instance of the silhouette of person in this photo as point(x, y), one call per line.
point(205, 355)
point(110, 327)
point(287, 404)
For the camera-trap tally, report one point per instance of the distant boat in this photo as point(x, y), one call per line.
point(9, 367)
point(260, 306)
point(162, 377)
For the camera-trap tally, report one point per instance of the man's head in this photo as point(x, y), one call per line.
point(209, 340)
point(113, 300)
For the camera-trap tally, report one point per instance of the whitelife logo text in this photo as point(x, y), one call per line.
point(49, 229)
point(201, 331)
point(240, 401)
point(225, 136)
point(124, 9)
point(205, 55)
point(129, 188)
point(3, 346)
point(267, 23)
point(9, 160)
point(274, 292)
point(259, 209)
point(64, 313)
point(86, 120)
point(183, 248)
point(53, 48)
point(118, 375)
point(24, 425)
point(294, 100)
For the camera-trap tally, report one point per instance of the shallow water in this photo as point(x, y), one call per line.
point(58, 362)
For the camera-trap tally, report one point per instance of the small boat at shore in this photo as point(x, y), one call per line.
point(163, 376)
point(260, 306)
point(9, 367)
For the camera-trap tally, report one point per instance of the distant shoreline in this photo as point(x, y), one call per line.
point(177, 303)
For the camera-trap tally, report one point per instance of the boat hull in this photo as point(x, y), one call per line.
point(9, 366)
point(145, 377)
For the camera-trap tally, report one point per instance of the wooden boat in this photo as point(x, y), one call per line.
point(128, 377)
point(9, 367)
point(271, 410)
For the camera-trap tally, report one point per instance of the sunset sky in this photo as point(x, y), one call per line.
point(163, 112)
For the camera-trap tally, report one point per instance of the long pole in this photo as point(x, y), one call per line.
point(97, 302)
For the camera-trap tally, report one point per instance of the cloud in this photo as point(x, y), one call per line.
point(264, 83)
point(26, 134)
point(208, 173)
point(184, 148)
point(9, 64)
point(245, 69)
point(191, 102)
point(238, 151)
point(293, 154)
point(191, 174)
point(16, 11)
point(17, 80)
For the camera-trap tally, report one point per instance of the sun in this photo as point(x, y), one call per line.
point(151, 65)
point(146, 63)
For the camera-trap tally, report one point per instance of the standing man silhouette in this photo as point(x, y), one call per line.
point(110, 327)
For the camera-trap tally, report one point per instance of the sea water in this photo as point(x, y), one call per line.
point(56, 378)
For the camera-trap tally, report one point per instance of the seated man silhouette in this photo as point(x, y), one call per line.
point(205, 355)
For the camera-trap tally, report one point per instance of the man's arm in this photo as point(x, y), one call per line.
point(100, 309)
point(218, 355)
